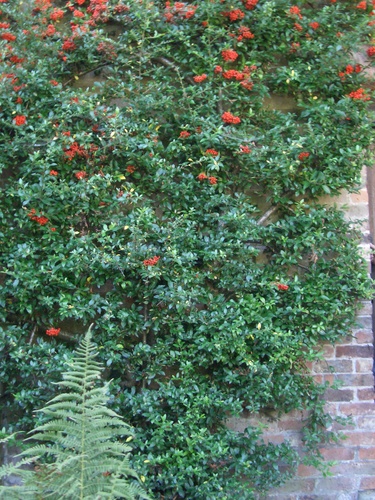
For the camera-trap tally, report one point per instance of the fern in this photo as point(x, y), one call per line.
point(83, 457)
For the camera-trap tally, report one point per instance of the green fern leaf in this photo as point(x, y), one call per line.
point(84, 458)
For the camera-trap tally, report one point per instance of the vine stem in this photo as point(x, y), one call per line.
point(144, 340)
point(168, 63)
point(83, 73)
point(32, 335)
point(267, 214)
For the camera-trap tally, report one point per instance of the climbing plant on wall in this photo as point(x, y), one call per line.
point(150, 185)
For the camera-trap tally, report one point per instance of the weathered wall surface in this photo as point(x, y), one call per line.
point(353, 476)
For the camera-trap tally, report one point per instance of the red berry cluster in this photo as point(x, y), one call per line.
point(234, 14)
point(359, 94)
point(232, 74)
point(302, 156)
point(40, 219)
point(53, 332)
point(80, 175)
point(75, 150)
point(229, 55)
point(202, 177)
point(200, 78)
point(184, 134)
point(180, 10)
point(20, 120)
point(250, 4)
point(244, 32)
point(151, 262)
point(229, 118)
point(281, 286)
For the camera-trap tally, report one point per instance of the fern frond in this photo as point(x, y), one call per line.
point(26, 491)
point(80, 440)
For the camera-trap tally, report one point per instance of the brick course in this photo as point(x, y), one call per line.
point(354, 351)
point(366, 394)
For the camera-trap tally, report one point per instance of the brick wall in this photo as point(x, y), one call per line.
point(353, 478)
point(353, 475)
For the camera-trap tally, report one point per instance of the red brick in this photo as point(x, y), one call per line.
point(339, 395)
point(363, 495)
point(366, 308)
point(337, 427)
point(354, 351)
point(297, 485)
point(331, 408)
point(349, 339)
point(360, 197)
point(334, 366)
point(338, 453)
point(273, 438)
point(278, 496)
point(336, 484)
point(296, 414)
point(357, 409)
point(368, 483)
point(294, 425)
point(359, 438)
point(364, 336)
point(352, 469)
point(327, 496)
point(367, 453)
point(319, 379)
point(363, 379)
point(328, 351)
point(365, 322)
point(329, 378)
point(366, 394)
point(293, 438)
point(365, 423)
point(363, 365)
point(307, 471)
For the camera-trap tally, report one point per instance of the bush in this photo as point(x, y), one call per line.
point(151, 186)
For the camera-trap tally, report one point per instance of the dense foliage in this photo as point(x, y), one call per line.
point(86, 459)
point(151, 186)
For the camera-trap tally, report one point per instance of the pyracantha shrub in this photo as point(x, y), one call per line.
point(152, 186)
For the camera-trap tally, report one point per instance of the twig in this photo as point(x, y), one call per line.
point(170, 64)
point(84, 73)
point(32, 335)
point(303, 267)
point(220, 102)
point(144, 340)
point(267, 214)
